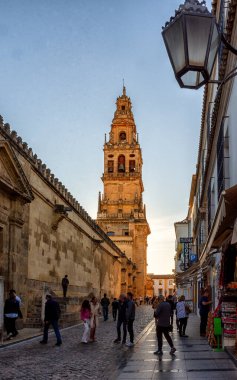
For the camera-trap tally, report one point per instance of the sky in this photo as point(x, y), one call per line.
point(62, 67)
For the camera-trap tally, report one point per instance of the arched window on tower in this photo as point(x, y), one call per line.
point(110, 166)
point(121, 164)
point(122, 136)
point(132, 166)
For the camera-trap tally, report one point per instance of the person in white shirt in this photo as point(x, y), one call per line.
point(182, 316)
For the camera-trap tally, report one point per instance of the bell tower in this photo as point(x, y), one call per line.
point(121, 212)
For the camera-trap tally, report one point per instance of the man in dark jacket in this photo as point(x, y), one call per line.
point(11, 313)
point(115, 305)
point(65, 283)
point(51, 317)
point(122, 321)
point(162, 314)
point(105, 306)
point(130, 317)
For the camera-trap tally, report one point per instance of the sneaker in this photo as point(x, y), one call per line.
point(43, 342)
point(129, 344)
point(9, 336)
point(117, 340)
point(172, 351)
point(158, 352)
point(58, 344)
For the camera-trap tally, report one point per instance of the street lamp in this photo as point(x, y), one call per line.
point(192, 40)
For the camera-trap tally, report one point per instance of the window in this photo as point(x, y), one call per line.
point(121, 164)
point(125, 232)
point(122, 136)
point(110, 166)
point(160, 282)
point(123, 108)
point(131, 166)
point(170, 282)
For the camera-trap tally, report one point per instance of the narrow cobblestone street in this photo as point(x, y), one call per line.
point(29, 360)
point(104, 360)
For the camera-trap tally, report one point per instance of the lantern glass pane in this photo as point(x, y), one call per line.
point(174, 41)
point(198, 34)
point(215, 41)
point(192, 78)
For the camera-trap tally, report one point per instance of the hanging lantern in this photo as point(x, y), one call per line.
point(192, 40)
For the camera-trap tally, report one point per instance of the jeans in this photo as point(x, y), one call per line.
point(114, 313)
point(203, 323)
point(10, 325)
point(130, 330)
point(85, 335)
point(54, 323)
point(64, 291)
point(119, 324)
point(105, 312)
point(160, 330)
point(182, 325)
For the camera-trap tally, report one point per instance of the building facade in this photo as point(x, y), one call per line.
point(121, 212)
point(163, 284)
point(213, 215)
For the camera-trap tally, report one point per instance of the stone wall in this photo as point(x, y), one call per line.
point(45, 233)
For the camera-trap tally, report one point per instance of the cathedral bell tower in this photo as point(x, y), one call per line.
point(121, 213)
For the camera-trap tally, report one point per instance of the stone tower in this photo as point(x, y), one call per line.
point(121, 213)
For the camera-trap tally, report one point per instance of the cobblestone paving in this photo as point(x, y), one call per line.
point(98, 361)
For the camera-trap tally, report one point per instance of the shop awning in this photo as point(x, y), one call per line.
point(224, 222)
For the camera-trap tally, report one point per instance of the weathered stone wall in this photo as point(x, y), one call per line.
point(39, 243)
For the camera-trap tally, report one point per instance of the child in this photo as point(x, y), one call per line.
point(85, 317)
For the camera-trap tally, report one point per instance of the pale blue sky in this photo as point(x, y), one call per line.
point(62, 65)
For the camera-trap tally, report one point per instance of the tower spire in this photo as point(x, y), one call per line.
point(124, 88)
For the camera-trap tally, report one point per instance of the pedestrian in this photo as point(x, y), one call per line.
point(94, 322)
point(182, 316)
point(105, 306)
point(11, 313)
point(204, 307)
point(130, 317)
point(51, 316)
point(121, 321)
point(162, 314)
point(65, 283)
point(169, 299)
point(85, 317)
point(115, 305)
point(140, 299)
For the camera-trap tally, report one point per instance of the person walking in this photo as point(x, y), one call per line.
point(182, 316)
point(11, 313)
point(121, 321)
point(94, 322)
point(65, 283)
point(85, 317)
point(115, 305)
point(162, 314)
point(169, 299)
point(105, 306)
point(130, 317)
point(51, 316)
point(204, 308)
